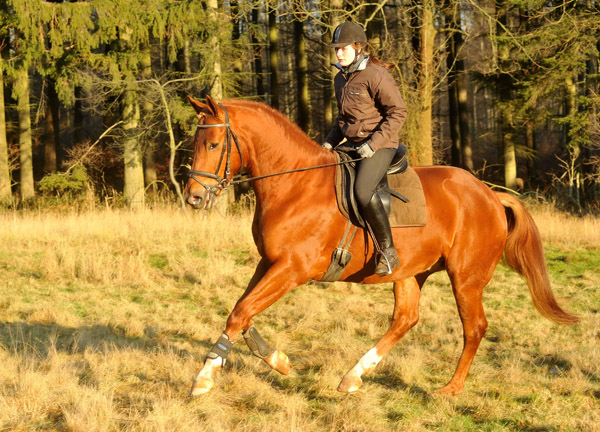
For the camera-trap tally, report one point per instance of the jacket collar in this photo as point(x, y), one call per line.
point(359, 63)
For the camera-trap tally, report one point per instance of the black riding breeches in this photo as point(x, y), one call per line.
point(369, 173)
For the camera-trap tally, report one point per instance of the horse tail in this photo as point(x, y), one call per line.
point(524, 253)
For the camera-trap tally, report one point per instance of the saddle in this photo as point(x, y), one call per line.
point(400, 181)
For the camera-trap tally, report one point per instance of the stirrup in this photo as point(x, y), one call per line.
point(387, 261)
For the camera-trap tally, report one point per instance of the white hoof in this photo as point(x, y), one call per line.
point(201, 386)
point(350, 383)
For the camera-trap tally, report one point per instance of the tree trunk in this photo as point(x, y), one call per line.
point(238, 45)
point(329, 58)
point(273, 53)
point(216, 87)
point(52, 133)
point(5, 190)
point(183, 58)
point(217, 92)
point(464, 117)
point(461, 82)
point(25, 135)
point(531, 150)
point(78, 132)
point(374, 12)
point(591, 90)
point(304, 115)
point(258, 68)
point(132, 151)
point(424, 152)
point(451, 64)
point(573, 146)
point(328, 92)
point(510, 158)
point(504, 90)
point(150, 177)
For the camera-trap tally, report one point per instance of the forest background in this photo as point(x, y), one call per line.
point(93, 92)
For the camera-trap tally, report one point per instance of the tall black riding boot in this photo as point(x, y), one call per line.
point(377, 219)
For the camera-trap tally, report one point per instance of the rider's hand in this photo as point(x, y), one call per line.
point(327, 146)
point(365, 150)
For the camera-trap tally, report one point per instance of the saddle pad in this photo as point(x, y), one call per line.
point(414, 212)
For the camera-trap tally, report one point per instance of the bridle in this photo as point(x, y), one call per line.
point(222, 182)
point(227, 181)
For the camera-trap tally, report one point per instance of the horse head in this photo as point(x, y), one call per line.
point(214, 160)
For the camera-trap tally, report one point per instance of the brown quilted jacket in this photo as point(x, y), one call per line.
point(369, 107)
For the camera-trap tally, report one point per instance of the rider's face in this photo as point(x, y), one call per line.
point(345, 55)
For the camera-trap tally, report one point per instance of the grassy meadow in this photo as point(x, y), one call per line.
point(106, 316)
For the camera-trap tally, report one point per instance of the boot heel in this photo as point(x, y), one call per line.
point(387, 262)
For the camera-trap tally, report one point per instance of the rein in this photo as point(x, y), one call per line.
point(226, 182)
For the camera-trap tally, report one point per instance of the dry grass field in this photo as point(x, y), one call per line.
point(106, 316)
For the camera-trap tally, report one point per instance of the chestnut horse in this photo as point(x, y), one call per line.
point(297, 225)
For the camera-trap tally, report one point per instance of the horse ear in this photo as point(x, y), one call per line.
point(213, 106)
point(199, 107)
point(210, 108)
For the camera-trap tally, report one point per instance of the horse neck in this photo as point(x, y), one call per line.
point(272, 144)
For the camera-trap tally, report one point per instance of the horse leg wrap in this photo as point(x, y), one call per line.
point(221, 348)
point(257, 344)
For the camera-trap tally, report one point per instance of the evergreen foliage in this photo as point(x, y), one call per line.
point(61, 184)
point(531, 70)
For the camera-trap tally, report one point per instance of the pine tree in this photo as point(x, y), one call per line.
point(26, 49)
point(542, 56)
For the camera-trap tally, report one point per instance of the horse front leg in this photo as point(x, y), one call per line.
point(406, 314)
point(269, 284)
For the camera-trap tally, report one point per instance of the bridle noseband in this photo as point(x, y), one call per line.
point(222, 182)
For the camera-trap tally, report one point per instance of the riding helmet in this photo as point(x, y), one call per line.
point(348, 33)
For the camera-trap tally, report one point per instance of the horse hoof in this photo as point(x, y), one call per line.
point(279, 361)
point(349, 384)
point(201, 385)
point(448, 390)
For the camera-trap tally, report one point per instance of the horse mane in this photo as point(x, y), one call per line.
point(280, 119)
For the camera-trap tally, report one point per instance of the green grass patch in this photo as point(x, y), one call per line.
point(573, 264)
point(158, 261)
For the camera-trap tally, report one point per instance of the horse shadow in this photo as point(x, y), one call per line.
point(40, 339)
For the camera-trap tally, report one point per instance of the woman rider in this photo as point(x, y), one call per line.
point(371, 111)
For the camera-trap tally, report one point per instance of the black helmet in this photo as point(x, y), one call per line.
point(348, 33)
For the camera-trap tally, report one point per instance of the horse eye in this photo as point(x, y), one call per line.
point(212, 145)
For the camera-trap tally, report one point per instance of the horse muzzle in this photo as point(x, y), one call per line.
point(200, 199)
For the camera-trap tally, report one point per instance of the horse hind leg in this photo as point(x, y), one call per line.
point(468, 295)
point(406, 314)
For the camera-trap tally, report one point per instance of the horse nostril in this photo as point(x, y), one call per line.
point(194, 200)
